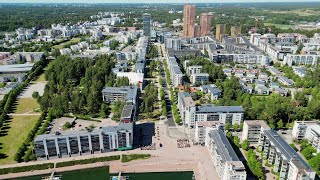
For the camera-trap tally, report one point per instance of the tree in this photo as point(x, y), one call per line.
point(236, 141)
point(245, 145)
point(280, 124)
point(235, 126)
point(35, 95)
point(227, 126)
point(308, 152)
point(304, 144)
point(315, 163)
point(104, 110)
point(67, 125)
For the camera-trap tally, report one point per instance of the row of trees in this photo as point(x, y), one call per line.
point(9, 99)
point(149, 98)
point(162, 98)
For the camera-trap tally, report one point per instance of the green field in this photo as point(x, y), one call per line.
point(25, 105)
point(71, 41)
point(41, 78)
point(281, 26)
point(12, 135)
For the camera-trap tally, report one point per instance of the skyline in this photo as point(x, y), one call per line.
point(146, 1)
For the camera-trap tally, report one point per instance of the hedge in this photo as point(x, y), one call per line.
point(26, 168)
point(132, 157)
point(87, 161)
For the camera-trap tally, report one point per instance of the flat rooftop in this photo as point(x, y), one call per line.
point(15, 68)
point(286, 150)
point(260, 123)
point(224, 147)
point(108, 129)
point(223, 109)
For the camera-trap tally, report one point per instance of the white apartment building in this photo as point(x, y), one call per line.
point(285, 160)
point(175, 71)
point(190, 113)
point(295, 60)
point(199, 77)
point(252, 130)
point(193, 70)
point(202, 128)
point(285, 81)
point(225, 160)
point(309, 130)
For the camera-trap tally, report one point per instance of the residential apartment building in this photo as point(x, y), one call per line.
point(252, 130)
point(146, 24)
point(285, 160)
point(126, 94)
point(309, 130)
point(78, 143)
point(202, 128)
point(173, 43)
point(235, 31)
point(189, 15)
point(220, 31)
point(285, 81)
point(193, 70)
point(191, 113)
point(213, 90)
point(296, 60)
point(225, 160)
point(175, 72)
point(199, 77)
point(205, 23)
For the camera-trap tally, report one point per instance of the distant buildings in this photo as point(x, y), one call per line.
point(146, 24)
point(78, 143)
point(283, 158)
point(189, 13)
point(224, 158)
point(205, 24)
point(309, 130)
point(220, 31)
point(235, 31)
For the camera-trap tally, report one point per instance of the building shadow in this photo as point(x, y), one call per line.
point(143, 134)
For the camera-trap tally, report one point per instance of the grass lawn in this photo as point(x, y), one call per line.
point(281, 26)
point(132, 157)
point(12, 135)
point(41, 78)
point(73, 40)
point(25, 105)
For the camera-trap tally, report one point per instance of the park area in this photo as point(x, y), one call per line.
point(21, 121)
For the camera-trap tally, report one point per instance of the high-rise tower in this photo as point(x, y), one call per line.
point(189, 15)
point(146, 24)
point(205, 23)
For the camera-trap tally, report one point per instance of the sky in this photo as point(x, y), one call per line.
point(147, 1)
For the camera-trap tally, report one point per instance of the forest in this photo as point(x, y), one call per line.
point(75, 85)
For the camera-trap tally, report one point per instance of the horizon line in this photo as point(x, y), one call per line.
point(241, 2)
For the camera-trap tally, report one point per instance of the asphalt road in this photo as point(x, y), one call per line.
point(170, 121)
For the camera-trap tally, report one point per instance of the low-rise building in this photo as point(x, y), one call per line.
point(224, 158)
point(285, 81)
point(78, 143)
point(212, 89)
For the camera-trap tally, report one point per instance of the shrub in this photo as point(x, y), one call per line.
point(26, 168)
point(132, 157)
point(87, 161)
